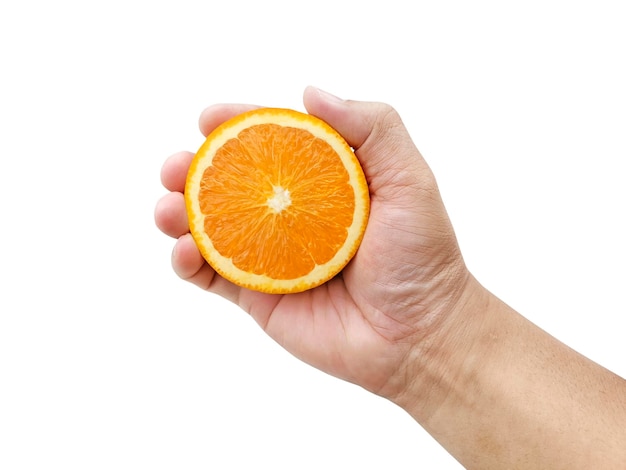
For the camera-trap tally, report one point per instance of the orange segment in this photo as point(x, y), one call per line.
point(277, 201)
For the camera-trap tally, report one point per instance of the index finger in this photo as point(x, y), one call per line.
point(216, 114)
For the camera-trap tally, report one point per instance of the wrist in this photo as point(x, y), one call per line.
point(444, 359)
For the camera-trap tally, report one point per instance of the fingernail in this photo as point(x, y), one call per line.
point(328, 96)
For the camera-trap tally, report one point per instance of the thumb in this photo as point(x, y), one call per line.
point(380, 140)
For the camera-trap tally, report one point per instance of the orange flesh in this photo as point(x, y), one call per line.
point(264, 204)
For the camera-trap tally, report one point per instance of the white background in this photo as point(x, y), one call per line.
point(108, 360)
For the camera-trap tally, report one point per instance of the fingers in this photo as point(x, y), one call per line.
point(215, 115)
point(189, 265)
point(174, 171)
point(170, 215)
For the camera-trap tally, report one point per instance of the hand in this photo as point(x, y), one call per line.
point(407, 275)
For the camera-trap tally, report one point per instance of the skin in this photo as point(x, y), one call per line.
point(407, 320)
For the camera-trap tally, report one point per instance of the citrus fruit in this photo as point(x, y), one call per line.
point(277, 201)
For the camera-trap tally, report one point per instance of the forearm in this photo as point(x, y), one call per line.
point(501, 393)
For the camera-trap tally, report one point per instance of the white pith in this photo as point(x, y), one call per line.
point(280, 200)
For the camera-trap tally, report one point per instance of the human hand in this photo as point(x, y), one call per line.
point(406, 277)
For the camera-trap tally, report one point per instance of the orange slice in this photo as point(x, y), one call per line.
point(277, 201)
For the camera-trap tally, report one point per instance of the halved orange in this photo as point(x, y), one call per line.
point(277, 201)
